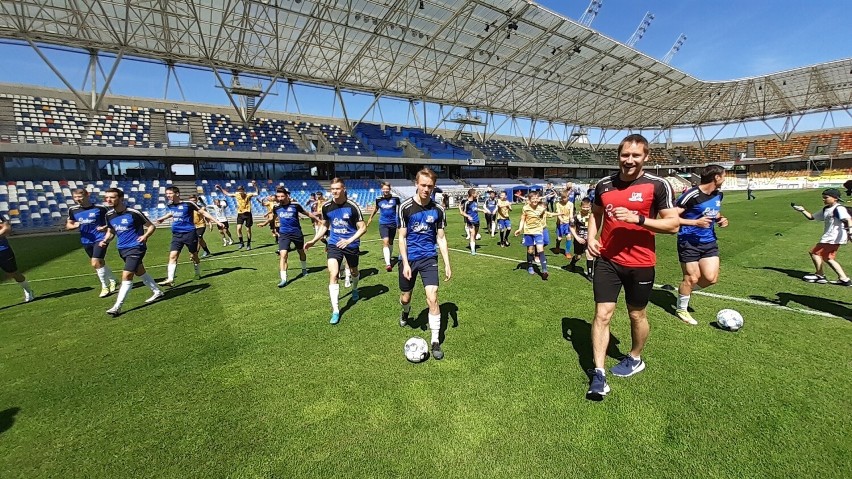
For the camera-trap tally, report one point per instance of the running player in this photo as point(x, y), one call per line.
point(533, 220)
point(422, 222)
point(838, 229)
point(504, 223)
point(289, 231)
point(550, 197)
point(201, 223)
point(469, 208)
point(386, 207)
point(244, 216)
point(343, 218)
point(8, 263)
point(269, 203)
point(564, 217)
point(182, 214)
point(699, 209)
point(131, 229)
point(626, 206)
point(580, 232)
point(91, 221)
point(219, 208)
point(490, 209)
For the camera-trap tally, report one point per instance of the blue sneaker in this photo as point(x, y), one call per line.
point(530, 270)
point(335, 318)
point(282, 283)
point(598, 388)
point(628, 367)
point(355, 296)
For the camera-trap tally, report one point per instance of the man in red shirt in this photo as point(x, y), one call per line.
point(626, 209)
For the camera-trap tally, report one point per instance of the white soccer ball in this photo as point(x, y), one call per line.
point(416, 350)
point(478, 236)
point(729, 319)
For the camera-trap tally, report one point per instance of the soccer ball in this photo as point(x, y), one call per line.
point(729, 319)
point(416, 350)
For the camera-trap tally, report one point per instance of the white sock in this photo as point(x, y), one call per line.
point(197, 267)
point(406, 308)
point(334, 294)
point(682, 301)
point(102, 277)
point(348, 273)
point(26, 286)
point(122, 292)
point(283, 275)
point(435, 326)
point(148, 281)
point(601, 370)
point(473, 244)
point(108, 274)
point(171, 268)
point(386, 252)
point(304, 266)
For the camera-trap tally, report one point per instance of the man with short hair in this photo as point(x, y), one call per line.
point(838, 229)
point(469, 208)
point(699, 209)
point(626, 209)
point(421, 227)
point(343, 219)
point(131, 229)
point(750, 186)
point(201, 224)
point(550, 197)
point(182, 214)
point(8, 263)
point(286, 212)
point(244, 215)
point(91, 221)
point(386, 207)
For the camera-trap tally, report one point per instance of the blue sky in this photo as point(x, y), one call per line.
point(726, 39)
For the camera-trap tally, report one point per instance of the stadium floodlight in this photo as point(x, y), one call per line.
point(591, 12)
point(641, 29)
point(675, 48)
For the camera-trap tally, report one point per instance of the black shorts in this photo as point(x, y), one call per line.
point(579, 248)
point(224, 226)
point(472, 223)
point(610, 277)
point(284, 242)
point(692, 252)
point(132, 258)
point(200, 232)
point(94, 250)
point(428, 270)
point(489, 217)
point(387, 231)
point(245, 219)
point(351, 254)
point(7, 261)
point(188, 239)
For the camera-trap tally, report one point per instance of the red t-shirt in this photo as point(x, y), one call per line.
point(629, 244)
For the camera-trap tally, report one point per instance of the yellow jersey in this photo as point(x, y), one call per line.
point(270, 205)
point(503, 207)
point(564, 212)
point(198, 219)
point(535, 219)
point(244, 203)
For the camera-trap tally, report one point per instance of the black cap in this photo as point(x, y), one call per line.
point(834, 193)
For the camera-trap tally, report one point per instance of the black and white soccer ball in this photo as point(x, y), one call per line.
point(416, 350)
point(729, 319)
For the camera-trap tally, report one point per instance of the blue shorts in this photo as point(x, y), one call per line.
point(284, 242)
point(428, 270)
point(387, 231)
point(133, 257)
point(534, 240)
point(94, 250)
point(563, 230)
point(504, 224)
point(350, 254)
point(188, 239)
point(546, 235)
point(692, 252)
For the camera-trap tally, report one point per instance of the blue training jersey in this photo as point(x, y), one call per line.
point(696, 204)
point(422, 223)
point(288, 219)
point(183, 218)
point(342, 221)
point(89, 218)
point(387, 208)
point(4, 243)
point(491, 205)
point(127, 226)
point(471, 207)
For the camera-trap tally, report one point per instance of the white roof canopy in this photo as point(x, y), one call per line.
point(512, 57)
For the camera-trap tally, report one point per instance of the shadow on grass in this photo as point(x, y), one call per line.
point(665, 300)
point(365, 293)
point(366, 273)
point(53, 295)
point(181, 290)
point(224, 271)
point(831, 306)
point(7, 418)
point(579, 333)
point(793, 273)
point(449, 311)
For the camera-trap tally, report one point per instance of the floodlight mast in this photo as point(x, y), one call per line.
point(675, 48)
point(641, 29)
point(591, 12)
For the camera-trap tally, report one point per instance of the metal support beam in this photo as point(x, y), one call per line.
point(108, 79)
point(237, 108)
point(56, 71)
point(349, 127)
point(369, 109)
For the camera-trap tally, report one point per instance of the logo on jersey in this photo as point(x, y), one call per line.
point(710, 212)
point(636, 196)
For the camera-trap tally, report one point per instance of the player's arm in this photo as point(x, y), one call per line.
point(801, 209)
point(323, 227)
point(110, 234)
point(402, 232)
point(362, 228)
point(150, 228)
point(441, 239)
point(269, 219)
point(574, 234)
point(224, 191)
point(163, 218)
point(207, 216)
point(70, 224)
point(522, 224)
point(373, 214)
point(5, 229)
point(594, 244)
point(256, 190)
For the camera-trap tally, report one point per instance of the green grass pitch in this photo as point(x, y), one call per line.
point(230, 376)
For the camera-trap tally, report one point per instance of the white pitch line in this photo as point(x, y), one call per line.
point(755, 302)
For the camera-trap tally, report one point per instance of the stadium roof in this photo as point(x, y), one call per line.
point(511, 57)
